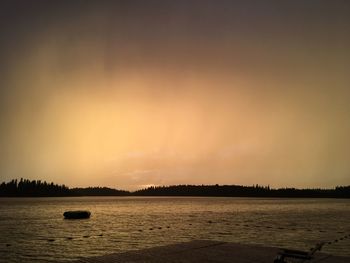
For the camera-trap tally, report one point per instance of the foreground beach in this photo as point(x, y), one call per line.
point(206, 251)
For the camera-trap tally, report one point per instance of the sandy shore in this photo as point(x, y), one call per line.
point(206, 251)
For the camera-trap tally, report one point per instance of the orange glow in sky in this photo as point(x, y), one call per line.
point(165, 94)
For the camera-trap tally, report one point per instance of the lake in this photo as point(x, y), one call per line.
point(33, 229)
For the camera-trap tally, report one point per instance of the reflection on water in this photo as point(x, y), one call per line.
point(33, 229)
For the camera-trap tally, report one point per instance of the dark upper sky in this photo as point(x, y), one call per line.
point(132, 93)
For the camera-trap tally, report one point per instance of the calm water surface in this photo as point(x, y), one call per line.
point(33, 229)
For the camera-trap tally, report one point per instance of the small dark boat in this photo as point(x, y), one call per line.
point(76, 214)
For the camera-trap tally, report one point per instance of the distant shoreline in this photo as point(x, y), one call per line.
point(174, 196)
point(38, 188)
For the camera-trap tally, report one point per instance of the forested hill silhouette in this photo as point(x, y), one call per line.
point(38, 188)
point(242, 191)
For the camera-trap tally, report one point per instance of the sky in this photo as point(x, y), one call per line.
point(129, 94)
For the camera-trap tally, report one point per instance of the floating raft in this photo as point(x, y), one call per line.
point(205, 251)
point(76, 214)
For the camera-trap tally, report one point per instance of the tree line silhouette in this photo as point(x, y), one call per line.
point(25, 187)
point(38, 188)
point(242, 191)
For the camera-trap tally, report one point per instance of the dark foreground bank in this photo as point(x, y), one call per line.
point(206, 251)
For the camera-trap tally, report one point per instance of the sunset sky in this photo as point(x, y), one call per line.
point(128, 94)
